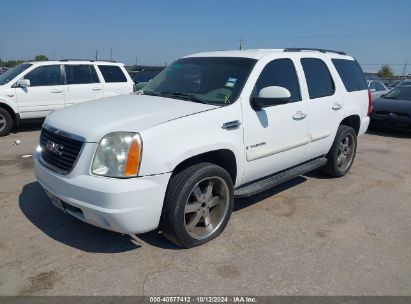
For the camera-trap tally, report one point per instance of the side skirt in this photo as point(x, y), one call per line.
point(274, 180)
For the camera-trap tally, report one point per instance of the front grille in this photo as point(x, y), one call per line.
point(59, 152)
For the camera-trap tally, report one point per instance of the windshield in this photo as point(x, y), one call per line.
point(12, 73)
point(211, 80)
point(403, 93)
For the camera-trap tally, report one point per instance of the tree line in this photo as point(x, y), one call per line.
point(13, 63)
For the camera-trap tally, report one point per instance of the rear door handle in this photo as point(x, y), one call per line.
point(57, 91)
point(231, 125)
point(299, 115)
point(337, 107)
point(96, 89)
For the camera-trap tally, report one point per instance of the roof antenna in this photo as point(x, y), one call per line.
point(241, 43)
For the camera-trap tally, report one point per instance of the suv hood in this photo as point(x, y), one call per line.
point(94, 119)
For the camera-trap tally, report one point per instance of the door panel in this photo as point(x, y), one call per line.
point(324, 106)
point(45, 93)
point(275, 137)
point(83, 84)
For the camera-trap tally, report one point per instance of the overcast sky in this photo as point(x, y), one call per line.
point(158, 32)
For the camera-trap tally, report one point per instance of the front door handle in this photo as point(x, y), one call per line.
point(337, 106)
point(57, 91)
point(96, 89)
point(231, 125)
point(299, 115)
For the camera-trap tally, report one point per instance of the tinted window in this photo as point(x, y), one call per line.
point(351, 74)
point(46, 75)
point(213, 80)
point(403, 93)
point(280, 72)
point(379, 86)
point(318, 78)
point(112, 73)
point(146, 75)
point(80, 74)
point(11, 73)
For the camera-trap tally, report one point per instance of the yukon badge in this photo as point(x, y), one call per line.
point(54, 147)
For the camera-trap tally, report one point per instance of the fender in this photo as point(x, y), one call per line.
point(10, 105)
point(167, 145)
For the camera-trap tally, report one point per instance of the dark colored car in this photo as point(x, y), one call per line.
point(393, 109)
point(142, 77)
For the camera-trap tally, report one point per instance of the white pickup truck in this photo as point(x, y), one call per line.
point(210, 127)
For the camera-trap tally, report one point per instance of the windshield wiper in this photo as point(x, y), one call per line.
point(183, 96)
point(149, 93)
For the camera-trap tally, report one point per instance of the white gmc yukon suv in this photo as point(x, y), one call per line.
point(34, 89)
point(210, 127)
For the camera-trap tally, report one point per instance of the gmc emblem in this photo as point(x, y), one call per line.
point(54, 147)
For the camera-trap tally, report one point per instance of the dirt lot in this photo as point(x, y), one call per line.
point(311, 236)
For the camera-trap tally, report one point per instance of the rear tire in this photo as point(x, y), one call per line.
point(198, 205)
point(342, 153)
point(6, 122)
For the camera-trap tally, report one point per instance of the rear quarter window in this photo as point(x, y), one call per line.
point(112, 73)
point(351, 74)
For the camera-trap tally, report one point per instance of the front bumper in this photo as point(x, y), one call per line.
point(128, 206)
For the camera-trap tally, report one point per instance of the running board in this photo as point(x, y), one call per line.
point(275, 180)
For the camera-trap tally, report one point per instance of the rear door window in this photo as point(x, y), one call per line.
point(351, 74)
point(81, 74)
point(112, 73)
point(319, 80)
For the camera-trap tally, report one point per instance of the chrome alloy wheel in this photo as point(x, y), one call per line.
point(346, 152)
point(206, 207)
point(3, 122)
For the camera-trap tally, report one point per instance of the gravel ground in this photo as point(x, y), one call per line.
point(310, 236)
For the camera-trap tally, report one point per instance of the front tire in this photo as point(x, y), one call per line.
point(6, 122)
point(198, 205)
point(342, 153)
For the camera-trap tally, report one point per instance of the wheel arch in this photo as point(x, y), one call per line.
point(15, 116)
point(352, 121)
point(224, 158)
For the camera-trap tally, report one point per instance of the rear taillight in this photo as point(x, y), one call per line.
point(369, 103)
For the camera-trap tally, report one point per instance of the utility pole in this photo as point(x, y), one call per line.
point(241, 43)
point(404, 71)
point(136, 61)
point(111, 53)
point(96, 56)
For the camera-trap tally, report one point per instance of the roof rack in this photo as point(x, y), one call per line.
point(312, 49)
point(91, 60)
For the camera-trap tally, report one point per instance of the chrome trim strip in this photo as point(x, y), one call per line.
point(64, 133)
point(319, 137)
point(271, 151)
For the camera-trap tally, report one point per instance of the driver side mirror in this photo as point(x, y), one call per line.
point(23, 83)
point(270, 96)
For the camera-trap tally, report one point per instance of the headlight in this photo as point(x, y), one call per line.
point(118, 155)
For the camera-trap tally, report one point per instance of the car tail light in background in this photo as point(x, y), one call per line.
point(369, 103)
